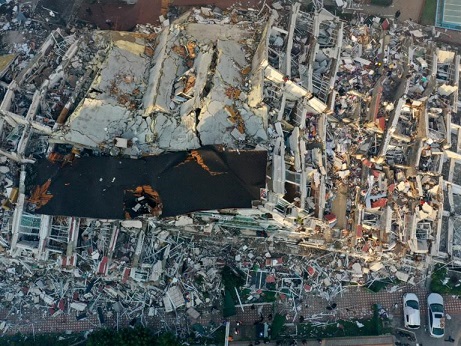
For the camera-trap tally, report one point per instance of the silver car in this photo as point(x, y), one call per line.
point(436, 315)
point(411, 312)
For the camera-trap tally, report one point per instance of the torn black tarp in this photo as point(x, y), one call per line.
point(203, 179)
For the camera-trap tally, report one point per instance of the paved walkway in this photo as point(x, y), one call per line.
point(355, 303)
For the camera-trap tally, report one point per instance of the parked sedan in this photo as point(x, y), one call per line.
point(436, 315)
point(411, 313)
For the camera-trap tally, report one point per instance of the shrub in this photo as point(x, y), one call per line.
point(232, 279)
point(439, 276)
point(277, 326)
point(228, 306)
point(130, 337)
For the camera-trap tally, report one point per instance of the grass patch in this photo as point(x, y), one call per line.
point(378, 285)
point(244, 294)
point(269, 296)
point(372, 326)
point(335, 329)
point(277, 326)
point(444, 283)
point(429, 11)
point(266, 296)
point(229, 305)
point(203, 336)
point(218, 337)
point(232, 279)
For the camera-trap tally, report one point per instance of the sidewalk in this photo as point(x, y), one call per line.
point(409, 9)
point(356, 303)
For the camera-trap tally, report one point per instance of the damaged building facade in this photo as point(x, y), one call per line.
point(337, 144)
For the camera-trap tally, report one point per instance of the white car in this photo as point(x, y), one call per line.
point(411, 312)
point(436, 315)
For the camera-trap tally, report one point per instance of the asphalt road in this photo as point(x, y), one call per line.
point(423, 338)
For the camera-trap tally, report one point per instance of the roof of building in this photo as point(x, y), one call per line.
point(451, 11)
point(448, 14)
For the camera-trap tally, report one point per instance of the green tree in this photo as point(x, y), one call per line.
point(232, 279)
point(229, 305)
point(377, 323)
point(277, 325)
point(130, 337)
point(38, 340)
point(442, 282)
point(167, 339)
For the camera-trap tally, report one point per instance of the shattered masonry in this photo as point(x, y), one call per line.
point(359, 121)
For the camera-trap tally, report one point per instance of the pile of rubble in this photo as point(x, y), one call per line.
point(132, 272)
point(359, 120)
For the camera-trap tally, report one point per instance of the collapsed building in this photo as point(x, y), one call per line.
point(316, 135)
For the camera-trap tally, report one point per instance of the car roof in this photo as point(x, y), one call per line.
point(410, 296)
point(414, 318)
point(437, 323)
point(434, 298)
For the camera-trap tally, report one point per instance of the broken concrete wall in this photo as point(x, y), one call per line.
point(155, 72)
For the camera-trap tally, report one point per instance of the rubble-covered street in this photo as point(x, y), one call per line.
point(223, 166)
